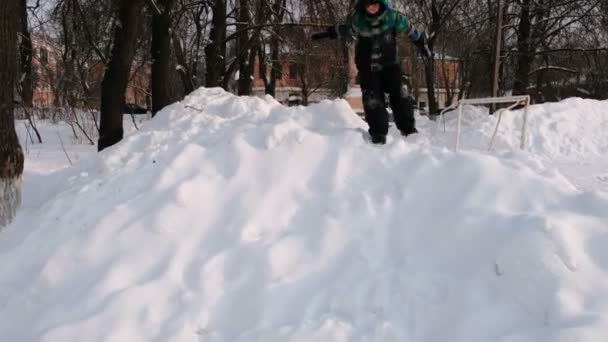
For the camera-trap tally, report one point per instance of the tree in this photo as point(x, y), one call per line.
point(11, 154)
point(542, 26)
point(85, 44)
point(163, 85)
point(497, 50)
point(215, 51)
point(116, 76)
point(25, 52)
point(435, 14)
point(270, 15)
point(243, 46)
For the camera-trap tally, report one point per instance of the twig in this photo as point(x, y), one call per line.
point(96, 48)
point(134, 123)
point(95, 120)
point(75, 120)
point(155, 7)
point(191, 107)
point(29, 118)
point(27, 130)
point(71, 123)
point(63, 148)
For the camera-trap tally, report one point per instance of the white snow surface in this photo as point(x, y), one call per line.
point(237, 219)
point(573, 129)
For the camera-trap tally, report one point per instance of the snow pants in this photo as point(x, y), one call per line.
point(374, 84)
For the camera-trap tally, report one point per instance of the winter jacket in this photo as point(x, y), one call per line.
point(376, 45)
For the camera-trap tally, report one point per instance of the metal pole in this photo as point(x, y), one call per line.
point(459, 125)
point(525, 125)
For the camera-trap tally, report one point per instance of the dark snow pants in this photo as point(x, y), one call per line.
point(374, 84)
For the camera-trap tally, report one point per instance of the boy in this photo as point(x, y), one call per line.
point(376, 26)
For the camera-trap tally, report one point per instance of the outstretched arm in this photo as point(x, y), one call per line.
point(340, 31)
point(403, 25)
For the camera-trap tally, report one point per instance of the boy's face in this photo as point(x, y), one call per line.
point(372, 7)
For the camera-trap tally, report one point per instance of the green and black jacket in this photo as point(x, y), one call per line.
point(376, 45)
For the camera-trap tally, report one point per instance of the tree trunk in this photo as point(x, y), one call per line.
point(116, 77)
point(464, 86)
point(275, 66)
point(185, 71)
point(262, 67)
point(11, 154)
point(242, 42)
point(163, 90)
point(429, 67)
point(429, 71)
point(524, 46)
point(215, 51)
point(304, 84)
point(278, 10)
point(497, 53)
point(25, 51)
point(251, 61)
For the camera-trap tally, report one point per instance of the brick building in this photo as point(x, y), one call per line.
point(289, 85)
point(48, 79)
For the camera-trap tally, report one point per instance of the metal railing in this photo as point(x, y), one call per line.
point(516, 100)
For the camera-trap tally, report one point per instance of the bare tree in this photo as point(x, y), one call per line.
point(215, 51)
point(245, 43)
point(78, 51)
point(163, 74)
point(498, 49)
point(189, 32)
point(116, 77)
point(26, 84)
point(540, 25)
point(11, 154)
point(435, 15)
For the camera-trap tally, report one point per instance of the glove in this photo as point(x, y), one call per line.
point(330, 32)
point(423, 47)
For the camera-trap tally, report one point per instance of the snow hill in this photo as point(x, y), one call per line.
point(231, 219)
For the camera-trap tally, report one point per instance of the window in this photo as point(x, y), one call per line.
point(43, 56)
point(422, 105)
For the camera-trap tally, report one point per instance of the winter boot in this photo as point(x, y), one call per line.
point(378, 138)
point(405, 133)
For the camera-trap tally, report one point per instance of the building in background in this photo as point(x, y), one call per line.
point(45, 56)
point(289, 83)
point(54, 86)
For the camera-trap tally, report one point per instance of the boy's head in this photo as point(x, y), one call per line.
point(372, 7)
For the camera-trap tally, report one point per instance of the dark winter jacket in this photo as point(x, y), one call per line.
point(376, 45)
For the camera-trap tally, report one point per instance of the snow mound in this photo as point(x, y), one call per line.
point(236, 219)
point(571, 129)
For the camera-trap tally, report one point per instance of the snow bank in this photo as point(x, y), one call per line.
point(573, 129)
point(237, 219)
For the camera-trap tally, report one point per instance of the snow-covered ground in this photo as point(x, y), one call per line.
point(62, 146)
point(237, 219)
point(570, 135)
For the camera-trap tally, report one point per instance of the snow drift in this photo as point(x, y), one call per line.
point(237, 219)
point(573, 129)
